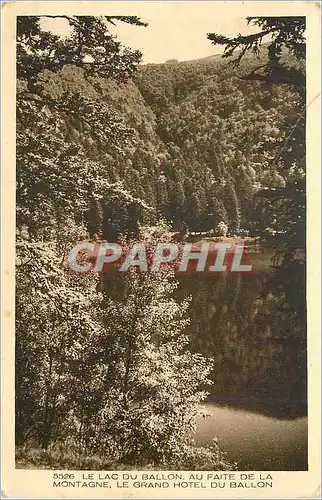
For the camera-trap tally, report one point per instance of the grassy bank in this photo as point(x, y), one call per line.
point(60, 458)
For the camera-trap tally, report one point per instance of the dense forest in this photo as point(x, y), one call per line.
point(198, 141)
point(111, 149)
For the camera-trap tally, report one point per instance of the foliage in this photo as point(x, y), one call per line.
point(285, 33)
point(221, 229)
point(220, 140)
point(99, 374)
point(52, 327)
point(102, 375)
point(56, 177)
point(154, 383)
point(107, 377)
point(283, 204)
point(89, 45)
point(198, 156)
point(192, 458)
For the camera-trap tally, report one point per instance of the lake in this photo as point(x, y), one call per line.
point(257, 403)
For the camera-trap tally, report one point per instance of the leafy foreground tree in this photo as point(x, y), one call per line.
point(103, 381)
point(89, 45)
point(282, 206)
point(110, 382)
point(283, 33)
point(55, 317)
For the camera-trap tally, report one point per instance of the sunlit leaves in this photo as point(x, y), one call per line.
point(89, 45)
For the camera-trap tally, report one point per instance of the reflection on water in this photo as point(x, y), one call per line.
point(258, 398)
point(254, 441)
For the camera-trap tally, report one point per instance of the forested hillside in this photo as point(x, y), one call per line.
point(197, 140)
point(221, 134)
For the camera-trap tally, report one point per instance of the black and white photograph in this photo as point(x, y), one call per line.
point(161, 242)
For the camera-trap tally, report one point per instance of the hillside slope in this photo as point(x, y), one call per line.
point(195, 140)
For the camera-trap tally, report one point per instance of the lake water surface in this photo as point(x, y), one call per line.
point(257, 403)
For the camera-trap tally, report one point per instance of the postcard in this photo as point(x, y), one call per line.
point(161, 273)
